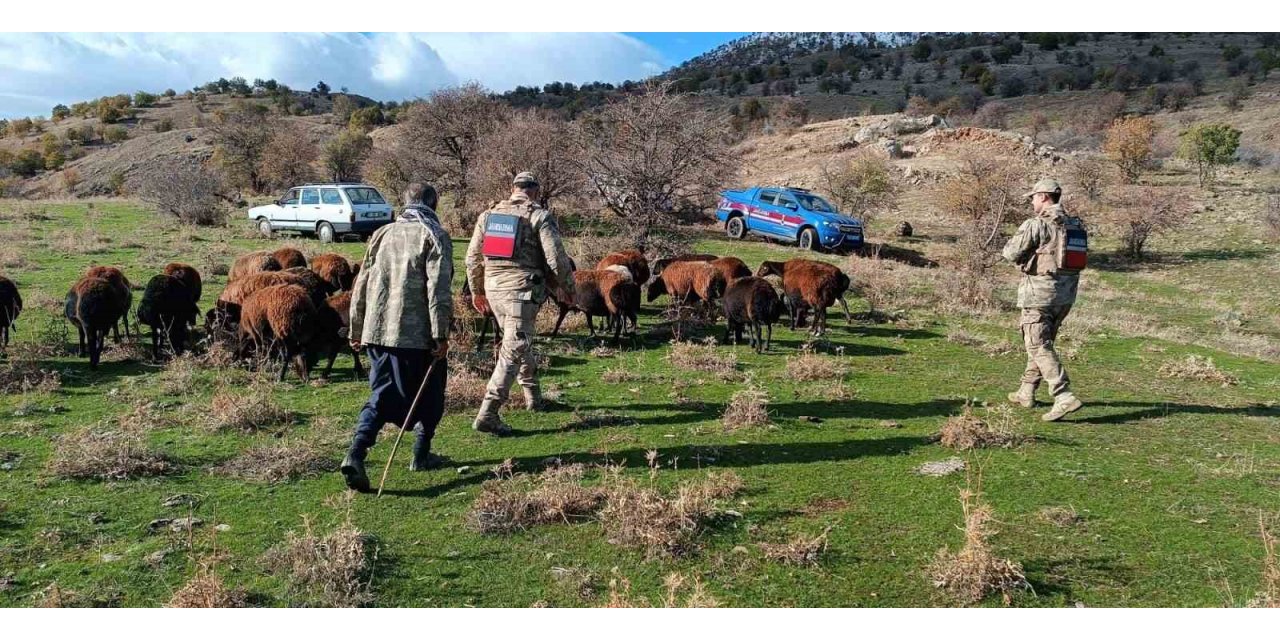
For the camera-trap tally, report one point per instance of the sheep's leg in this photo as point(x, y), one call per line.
point(300, 362)
point(848, 317)
point(96, 338)
point(591, 327)
point(484, 329)
point(115, 330)
point(617, 328)
point(81, 350)
point(355, 355)
point(333, 355)
point(284, 362)
point(768, 344)
point(155, 342)
point(564, 311)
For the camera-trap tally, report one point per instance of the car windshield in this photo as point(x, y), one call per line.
point(814, 203)
point(364, 195)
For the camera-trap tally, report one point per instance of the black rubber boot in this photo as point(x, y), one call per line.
point(423, 459)
point(353, 472)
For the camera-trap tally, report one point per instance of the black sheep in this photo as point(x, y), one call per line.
point(94, 306)
point(10, 307)
point(167, 307)
point(751, 302)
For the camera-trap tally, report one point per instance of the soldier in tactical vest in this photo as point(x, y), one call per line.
point(1050, 249)
point(515, 258)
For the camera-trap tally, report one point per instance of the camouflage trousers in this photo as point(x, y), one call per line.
point(515, 356)
point(1039, 331)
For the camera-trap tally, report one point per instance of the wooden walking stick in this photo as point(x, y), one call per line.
point(412, 409)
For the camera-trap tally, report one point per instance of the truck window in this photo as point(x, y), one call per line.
point(364, 195)
point(814, 203)
point(310, 196)
point(767, 197)
point(291, 197)
point(786, 201)
point(330, 196)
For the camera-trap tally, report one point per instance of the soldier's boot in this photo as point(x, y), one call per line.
point(1025, 395)
point(353, 471)
point(1062, 405)
point(423, 459)
point(489, 422)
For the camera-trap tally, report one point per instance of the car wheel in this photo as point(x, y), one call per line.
point(264, 228)
point(808, 239)
point(736, 228)
point(325, 232)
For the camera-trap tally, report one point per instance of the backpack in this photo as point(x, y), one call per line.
point(1067, 252)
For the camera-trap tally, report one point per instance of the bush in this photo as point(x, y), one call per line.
point(26, 163)
point(864, 186)
point(1237, 93)
point(164, 125)
point(1208, 146)
point(344, 155)
point(60, 112)
point(186, 190)
point(1271, 214)
point(142, 99)
point(1128, 145)
point(114, 134)
point(1089, 173)
point(981, 198)
point(287, 159)
point(70, 179)
point(1141, 213)
point(108, 112)
point(992, 115)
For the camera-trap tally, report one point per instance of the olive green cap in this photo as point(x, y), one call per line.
point(1048, 185)
point(525, 179)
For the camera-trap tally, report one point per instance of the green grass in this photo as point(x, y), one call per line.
point(1169, 475)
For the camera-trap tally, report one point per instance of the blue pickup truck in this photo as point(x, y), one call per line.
point(789, 214)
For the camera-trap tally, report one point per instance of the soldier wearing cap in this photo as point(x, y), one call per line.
point(514, 259)
point(1045, 295)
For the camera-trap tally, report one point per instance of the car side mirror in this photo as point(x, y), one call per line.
point(279, 203)
point(792, 207)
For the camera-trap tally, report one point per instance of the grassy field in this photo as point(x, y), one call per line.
point(1167, 475)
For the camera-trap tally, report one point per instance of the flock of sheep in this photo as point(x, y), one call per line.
point(282, 306)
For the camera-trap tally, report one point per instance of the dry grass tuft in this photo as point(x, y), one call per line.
point(464, 389)
point(21, 371)
point(333, 570)
point(1198, 368)
point(247, 410)
point(967, 431)
point(809, 366)
point(749, 407)
point(704, 356)
point(1269, 595)
point(1061, 516)
point(681, 592)
point(514, 502)
point(975, 572)
point(179, 374)
point(646, 518)
point(800, 551)
point(205, 590)
point(280, 461)
point(622, 375)
point(107, 454)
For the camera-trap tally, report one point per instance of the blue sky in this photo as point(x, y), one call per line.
point(39, 70)
point(678, 47)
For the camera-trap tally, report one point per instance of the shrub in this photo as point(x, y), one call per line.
point(1089, 173)
point(205, 590)
point(1128, 145)
point(1237, 93)
point(186, 190)
point(163, 125)
point(250, 410)
point(665, 524)
point(809, 366)
point(1038, 125)
point(287, 159)
point(864, 186)
point(703, 357)
point(516, 502)
point(992, 115)
point(537, 141)
point(114, 134)
point(70, 179)
point(967, 431)
point(1271, 214)
point(1208, 146)
point(281, 461)
point(142, 99)
point(104, 453)
point(1198, 368)
point(26, 163)
point(60, 112)
point(1141, 213)
point(749, 407)
point(108, 112)
point(800, 551)
point(344, 154)
point(981, 197)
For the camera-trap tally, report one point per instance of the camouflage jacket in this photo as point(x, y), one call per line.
point(539, 255)
point(1040, 290)
point(403, 296)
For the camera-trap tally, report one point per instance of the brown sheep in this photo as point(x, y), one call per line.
point(251, 263)
point(688, 282)
point(659, 265)
point(335, 270)
point(751, 302)
point(10, 307)
point(281, 319)
point(94, 306)
point(123, 289)
point(288, 257)
point(731, 268)
point(167, 308)
point(335, 327)
point(611, 293)
point(188, 275)
point(809, 284)
point(225, 313)
point(633, 260)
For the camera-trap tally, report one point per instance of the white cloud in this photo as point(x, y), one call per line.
point(38, 70)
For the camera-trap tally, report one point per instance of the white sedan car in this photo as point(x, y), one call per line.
point(329, 211)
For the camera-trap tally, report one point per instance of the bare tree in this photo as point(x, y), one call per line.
point(536, 141)
point(288, 158)
point(187, 190)
point(982, 198)
point(1140, 213)
point(653, 154)
point(241, 133)
point(862, 186)
point(344, 154)
point(1089, 173)
point(441, 136)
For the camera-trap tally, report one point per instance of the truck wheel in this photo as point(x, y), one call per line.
point(809, 239)
point(325, 232)
point(264, 228)
point(736, 228)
